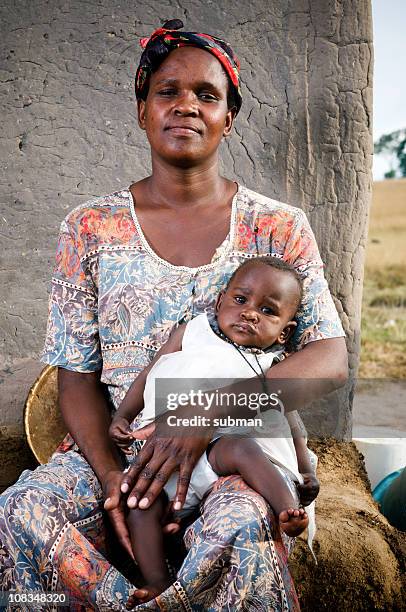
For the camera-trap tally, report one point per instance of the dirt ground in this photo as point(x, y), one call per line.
point(361, 558)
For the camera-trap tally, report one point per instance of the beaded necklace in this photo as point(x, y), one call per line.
point(241, 349)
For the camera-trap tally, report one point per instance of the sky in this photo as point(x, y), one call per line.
point(389, 22)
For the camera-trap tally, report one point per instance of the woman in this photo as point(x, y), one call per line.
point(130, 266)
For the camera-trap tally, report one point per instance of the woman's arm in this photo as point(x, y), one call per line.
point(305, 376)
point(323, 359)
point(316, 370)
point(87, 417)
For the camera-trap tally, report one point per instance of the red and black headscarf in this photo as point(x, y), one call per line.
point(167, 38)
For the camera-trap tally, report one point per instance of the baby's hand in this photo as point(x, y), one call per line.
point(309, 490)
point(120, 433)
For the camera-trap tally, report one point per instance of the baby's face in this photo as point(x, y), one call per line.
point(258, 307)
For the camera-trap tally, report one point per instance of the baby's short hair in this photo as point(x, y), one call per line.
point(273, 262)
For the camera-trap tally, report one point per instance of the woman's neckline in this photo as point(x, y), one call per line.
point(225, 246)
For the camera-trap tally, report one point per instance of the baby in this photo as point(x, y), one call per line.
point(254, 320)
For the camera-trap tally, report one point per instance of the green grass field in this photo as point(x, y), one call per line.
point(383, 337)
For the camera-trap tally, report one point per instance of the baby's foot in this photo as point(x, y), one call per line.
point(146, 593)
point(293, 521)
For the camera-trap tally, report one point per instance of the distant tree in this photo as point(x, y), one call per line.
point(393, 147)
point(401, 155)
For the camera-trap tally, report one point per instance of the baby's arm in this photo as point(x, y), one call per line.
point(309, 490)
point(133, 402)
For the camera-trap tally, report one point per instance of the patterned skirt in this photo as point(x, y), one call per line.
point(53, 539)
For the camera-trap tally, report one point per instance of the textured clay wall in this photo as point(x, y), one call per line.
point(69, 132)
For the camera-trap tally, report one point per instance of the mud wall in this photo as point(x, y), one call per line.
point(69, 132)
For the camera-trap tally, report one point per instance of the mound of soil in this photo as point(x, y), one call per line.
point(361, 558)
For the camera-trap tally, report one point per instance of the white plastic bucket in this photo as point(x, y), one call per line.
point(382, 456)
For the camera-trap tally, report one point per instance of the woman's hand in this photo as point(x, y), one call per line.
point(309, 490)
point(115, 507)
point(155, 463)
point(120, 433)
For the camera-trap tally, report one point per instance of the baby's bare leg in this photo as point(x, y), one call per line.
point(245, 457)
point(145, 527)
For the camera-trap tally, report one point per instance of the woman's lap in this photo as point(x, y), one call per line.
point(55, 512)
point(234, 560)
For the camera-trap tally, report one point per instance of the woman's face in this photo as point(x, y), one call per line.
point(185, 114)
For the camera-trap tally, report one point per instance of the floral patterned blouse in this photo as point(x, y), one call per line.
point(114, 301)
